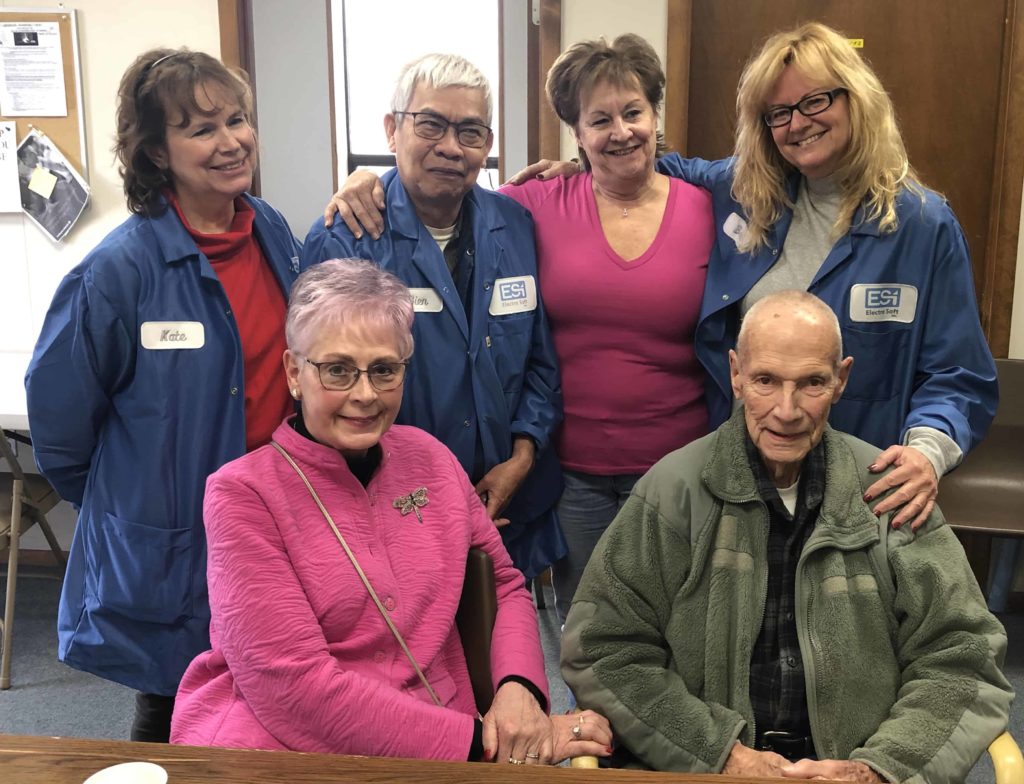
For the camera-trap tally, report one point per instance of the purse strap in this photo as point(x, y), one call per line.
point(360, 572)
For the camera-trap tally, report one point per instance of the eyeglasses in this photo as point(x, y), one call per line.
point(778, 116)
point(340, 376)
point(428, 125)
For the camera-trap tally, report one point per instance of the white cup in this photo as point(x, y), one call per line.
point(129, 773)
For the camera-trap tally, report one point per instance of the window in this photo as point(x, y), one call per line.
point(373, 39)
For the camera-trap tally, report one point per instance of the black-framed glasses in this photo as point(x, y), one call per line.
point(777, 116)
point(428, 125)
point(340, 376)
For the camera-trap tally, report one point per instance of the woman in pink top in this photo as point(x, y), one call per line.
point(302, 657)
point(622, 252)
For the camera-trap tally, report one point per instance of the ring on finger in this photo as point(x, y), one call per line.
point(576, 730)
point(514, 761)
point(532, 755)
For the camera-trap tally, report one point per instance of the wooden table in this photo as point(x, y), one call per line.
point(30, 760)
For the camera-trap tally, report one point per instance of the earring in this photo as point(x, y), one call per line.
point(295, 393)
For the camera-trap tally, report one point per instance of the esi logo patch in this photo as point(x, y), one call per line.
point(513, 295)
point(870, 302)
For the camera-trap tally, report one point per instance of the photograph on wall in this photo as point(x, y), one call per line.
point(53, 194)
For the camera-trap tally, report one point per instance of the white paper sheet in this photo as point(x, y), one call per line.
point(31, 70)
point(10, 191)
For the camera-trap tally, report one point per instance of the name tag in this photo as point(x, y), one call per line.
point(735, 227)
point(173, 334)
point(883, 302)
point(426, 301)
point(513, 295)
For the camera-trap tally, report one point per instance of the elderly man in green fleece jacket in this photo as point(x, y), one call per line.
point(747, 613)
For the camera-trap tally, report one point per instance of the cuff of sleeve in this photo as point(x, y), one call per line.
point(476, 748)
point(529, 686)
point(942, 451)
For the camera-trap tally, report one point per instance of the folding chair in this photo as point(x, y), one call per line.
point(24, 501)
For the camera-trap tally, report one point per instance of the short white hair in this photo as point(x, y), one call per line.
point(793, 301)
point(440, 71)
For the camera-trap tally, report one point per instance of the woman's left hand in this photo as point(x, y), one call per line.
point(915, 482)
point(583, 734)
point(515, 728)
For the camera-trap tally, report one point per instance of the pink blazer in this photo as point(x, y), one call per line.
point(301, 658)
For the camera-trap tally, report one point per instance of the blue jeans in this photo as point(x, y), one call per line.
point(587, 507)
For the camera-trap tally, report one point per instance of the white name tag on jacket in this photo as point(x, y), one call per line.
point(426, 301)
point(883, 302)
point(513, 295)
point(735, 227)
point(173, 334)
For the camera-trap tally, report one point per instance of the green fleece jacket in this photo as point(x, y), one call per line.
point(901, 655)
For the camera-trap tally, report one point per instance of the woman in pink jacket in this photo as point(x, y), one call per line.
point(303, 658)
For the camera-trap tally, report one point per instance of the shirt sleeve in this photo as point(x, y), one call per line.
point(85, 353)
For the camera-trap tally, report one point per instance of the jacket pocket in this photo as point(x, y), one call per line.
point(142, 572)
point(440, 681)
point(511, 341)
point(879, 362)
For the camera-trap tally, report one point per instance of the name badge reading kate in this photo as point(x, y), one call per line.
point(173, 334)
point(513, 295)
point(883, 302)
point(426, 301)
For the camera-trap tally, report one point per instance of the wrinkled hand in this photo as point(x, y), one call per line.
point(501, 483)
point(832, 770)
point(917, 484)
point(359, 203)
point(545, 169)
point(744, 761)
point(515, 726)
point(595, 736)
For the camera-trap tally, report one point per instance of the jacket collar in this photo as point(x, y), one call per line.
point(728, 476)
point(403, 219)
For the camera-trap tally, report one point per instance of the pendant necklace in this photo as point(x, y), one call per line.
point(625, 212)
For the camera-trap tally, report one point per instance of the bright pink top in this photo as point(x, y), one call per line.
point(623, 330)
point(301, 657)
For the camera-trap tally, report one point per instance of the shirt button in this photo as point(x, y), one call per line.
point(789, 616)
point(445, 289)
point(234, 390)
point(379, 657)
point(775, 251)
point(227, 312)
point(487, 287)
point(390, 604)
point(466, 423)
point(469, 251)
point(791, 662)
point(725, 298)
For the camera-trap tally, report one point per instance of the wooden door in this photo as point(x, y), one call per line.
point(953, 71)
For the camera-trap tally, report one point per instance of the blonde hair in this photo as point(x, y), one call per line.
point(874, 168)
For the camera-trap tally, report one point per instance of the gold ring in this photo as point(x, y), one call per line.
point(513, 761)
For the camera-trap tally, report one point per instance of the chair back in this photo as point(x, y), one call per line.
point(478, 608)
point(1010, 412)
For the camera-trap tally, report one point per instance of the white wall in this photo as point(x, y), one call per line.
point(293, 108)
point(583, 19)
point(111, 33)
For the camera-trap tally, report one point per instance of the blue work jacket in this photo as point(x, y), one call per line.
point(477, 374)
point(905, 302)
point(131, 407)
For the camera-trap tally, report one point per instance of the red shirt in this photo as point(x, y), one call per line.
point(258, 306)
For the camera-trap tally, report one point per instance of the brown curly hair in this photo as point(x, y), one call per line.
point(161, 85)
point(627, 62)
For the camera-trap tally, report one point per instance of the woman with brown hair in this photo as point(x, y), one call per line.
point(158, 362)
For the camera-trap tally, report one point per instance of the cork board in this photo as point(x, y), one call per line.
point(68, 133)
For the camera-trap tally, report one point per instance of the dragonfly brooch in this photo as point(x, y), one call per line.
point(412, 502)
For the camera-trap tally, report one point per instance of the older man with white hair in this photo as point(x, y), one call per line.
point(748, 613)
point(484, 379)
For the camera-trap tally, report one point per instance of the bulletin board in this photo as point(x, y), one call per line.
point(68, 133)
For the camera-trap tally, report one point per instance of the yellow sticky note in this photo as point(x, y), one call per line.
point(856, 43)
point(42, 182)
